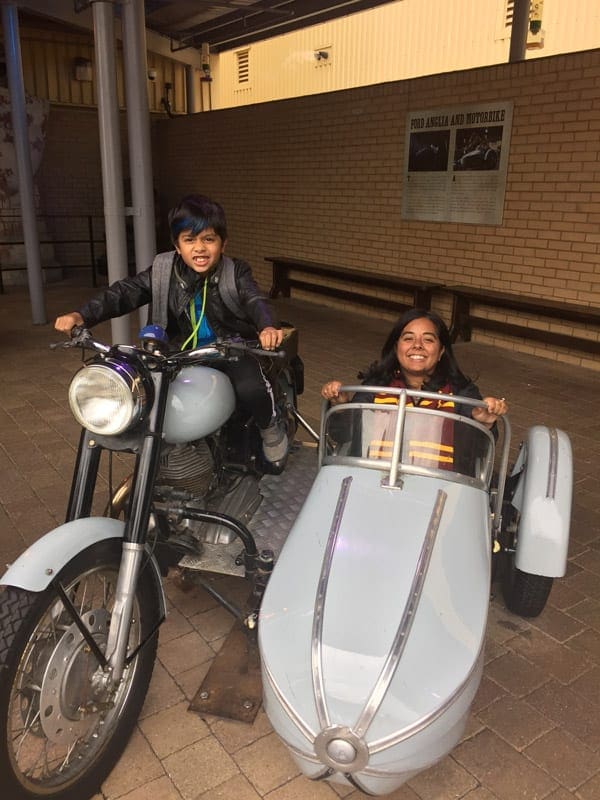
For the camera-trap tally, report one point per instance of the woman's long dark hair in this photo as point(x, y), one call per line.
point(447, 371)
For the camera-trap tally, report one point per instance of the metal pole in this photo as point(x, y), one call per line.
point(138, 126)
point(16, 87)
point(192, 90)
point(110, 152)
point(520, 26)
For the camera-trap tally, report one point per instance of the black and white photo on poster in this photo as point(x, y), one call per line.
point(456, 162)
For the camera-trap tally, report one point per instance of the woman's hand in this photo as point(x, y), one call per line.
point(496, 407)
point(270, 338)
point(331, 391)
point(67, 322)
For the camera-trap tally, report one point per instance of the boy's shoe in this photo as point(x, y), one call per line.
point(275, 442)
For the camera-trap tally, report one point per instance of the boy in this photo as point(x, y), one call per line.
point(207, 295)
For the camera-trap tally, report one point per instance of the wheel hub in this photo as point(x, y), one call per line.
point(68, 703)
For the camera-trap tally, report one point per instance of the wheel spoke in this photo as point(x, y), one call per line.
point(63, 726)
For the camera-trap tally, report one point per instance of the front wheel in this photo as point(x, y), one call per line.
point(63, 727)
point(525, 594)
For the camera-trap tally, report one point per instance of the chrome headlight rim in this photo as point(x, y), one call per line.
point(109, 397)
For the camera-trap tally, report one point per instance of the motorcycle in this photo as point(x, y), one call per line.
point(80, 610)
point(369, 624)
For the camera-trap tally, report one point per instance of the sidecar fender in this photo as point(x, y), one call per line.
point(44, 559)
point(543, 498)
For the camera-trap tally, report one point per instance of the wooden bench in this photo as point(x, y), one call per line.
point(464, 319)
point(291, 273)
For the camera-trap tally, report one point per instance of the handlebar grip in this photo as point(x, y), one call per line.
point(244, 347)
point(269, 353)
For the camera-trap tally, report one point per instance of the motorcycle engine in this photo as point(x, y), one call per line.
point(187, 467)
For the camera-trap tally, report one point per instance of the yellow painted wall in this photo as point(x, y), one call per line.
point(395, 41)
point(48, 71)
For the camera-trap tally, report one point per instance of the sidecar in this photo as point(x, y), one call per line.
point(373, 623)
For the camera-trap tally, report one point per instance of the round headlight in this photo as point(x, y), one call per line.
point(107, 398)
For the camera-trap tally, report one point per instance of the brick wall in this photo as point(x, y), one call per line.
point(320, 178)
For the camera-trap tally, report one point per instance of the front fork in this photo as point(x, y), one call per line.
point(122, 612)
point(136, 526)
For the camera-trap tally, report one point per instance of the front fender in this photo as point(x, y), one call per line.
point(41, 563)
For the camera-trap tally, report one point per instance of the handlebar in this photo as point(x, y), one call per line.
point(81, 337)
point(224, 349)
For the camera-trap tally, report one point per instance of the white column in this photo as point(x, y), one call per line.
point(138, 127)
point(110, 153)
point(16, 87)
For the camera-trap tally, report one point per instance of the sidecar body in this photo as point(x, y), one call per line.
point(373, 624)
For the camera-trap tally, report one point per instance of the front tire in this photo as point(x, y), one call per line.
point(62, 729)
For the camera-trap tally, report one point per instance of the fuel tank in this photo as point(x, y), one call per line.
point(372, 626)
point(200, 401)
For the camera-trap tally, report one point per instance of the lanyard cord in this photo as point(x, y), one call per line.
point(193, 337)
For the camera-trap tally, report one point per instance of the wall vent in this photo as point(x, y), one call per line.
point(243, 66)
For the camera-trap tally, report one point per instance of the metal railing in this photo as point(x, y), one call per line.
point(85, 232)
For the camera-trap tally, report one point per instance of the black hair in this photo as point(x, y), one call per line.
point(447, 371)
point(195, 213)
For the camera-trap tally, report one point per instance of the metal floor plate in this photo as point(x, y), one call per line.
point(283, 496)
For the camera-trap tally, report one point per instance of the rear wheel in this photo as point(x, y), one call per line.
point(62, 727)
point(525, 594)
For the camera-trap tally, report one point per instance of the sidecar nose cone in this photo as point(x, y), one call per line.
point(341, 751)
point(339, 748)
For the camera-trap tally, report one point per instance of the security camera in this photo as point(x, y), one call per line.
point(152, 73)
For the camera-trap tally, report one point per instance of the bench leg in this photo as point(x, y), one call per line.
point(280, 284)
point(460, 326)
point(422, 298)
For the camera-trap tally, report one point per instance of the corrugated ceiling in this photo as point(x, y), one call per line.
point(229, 24)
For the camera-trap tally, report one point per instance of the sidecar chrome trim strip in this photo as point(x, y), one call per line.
point(302, 726)
point(553, 464)
point(317, 629)
point(373, 772)
point(407, 469)
point(389, 668)
point(398, 436)
point(416, 727)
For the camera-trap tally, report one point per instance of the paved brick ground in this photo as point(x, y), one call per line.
point(535, 728)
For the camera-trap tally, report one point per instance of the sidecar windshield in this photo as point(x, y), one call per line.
point(431, 442)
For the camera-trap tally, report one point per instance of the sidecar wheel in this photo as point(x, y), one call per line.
point(61, 729)
point(525, 594)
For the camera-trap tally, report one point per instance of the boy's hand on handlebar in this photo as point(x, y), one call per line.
point(496, 407)
point(270, 338)
point(331, 391)
point(67, 322)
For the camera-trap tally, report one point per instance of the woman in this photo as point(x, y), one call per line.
point(418, 355)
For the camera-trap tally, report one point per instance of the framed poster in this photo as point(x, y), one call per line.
point(455, 163)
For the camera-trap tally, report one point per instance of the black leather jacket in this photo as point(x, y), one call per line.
point(128, 294)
